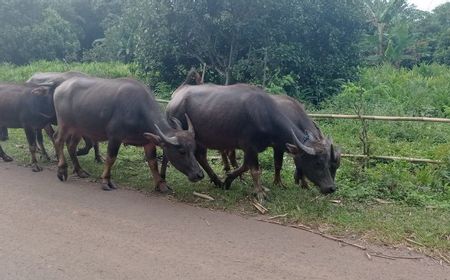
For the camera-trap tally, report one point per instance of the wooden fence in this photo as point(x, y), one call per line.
point(368, 156)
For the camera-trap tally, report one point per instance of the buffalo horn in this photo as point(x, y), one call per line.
point(190, 125)
point(302, 146)
point(170, 140)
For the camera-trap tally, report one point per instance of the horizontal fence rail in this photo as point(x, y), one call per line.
point(379, 118)
point(375, 118)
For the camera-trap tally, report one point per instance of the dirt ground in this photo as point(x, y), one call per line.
point(74, 230)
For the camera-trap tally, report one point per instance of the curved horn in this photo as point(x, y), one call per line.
point(302, 146)
point(170, 140)
point(177, 123)
point(190, 125)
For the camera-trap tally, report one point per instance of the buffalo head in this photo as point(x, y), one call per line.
point(318, 161)
point(179, 148)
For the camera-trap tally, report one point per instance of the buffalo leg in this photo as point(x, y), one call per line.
point(72, 149)
point(3, 133)
point(89, 144)
point(225, 162)
point(234, 174)
point(232, 158)
point(4, 156)
point(31, 138)
point(98, 156)
point(201, 156)
point(150, 155)
point(111, 156)
point(164, 163)
point(40, 144)
point(61, 137)
point(251, 159)
point(87, 147)
point(278, 163)
point(298, 176)
point(51, 134)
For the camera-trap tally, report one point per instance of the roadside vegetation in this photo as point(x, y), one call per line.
point(384, 201)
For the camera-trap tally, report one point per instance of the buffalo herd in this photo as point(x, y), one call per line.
point(198, 117)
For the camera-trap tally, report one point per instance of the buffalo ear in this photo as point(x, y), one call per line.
point(39, 91)
point(155, 139)
point(292, 149)
point(335, 154)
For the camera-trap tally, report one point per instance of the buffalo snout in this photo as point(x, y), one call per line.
point(328, 189)
point(197, 176)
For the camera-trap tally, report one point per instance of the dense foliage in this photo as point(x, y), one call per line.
point(306, 49)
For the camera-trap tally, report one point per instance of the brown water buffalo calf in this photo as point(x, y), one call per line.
point(58, 78)
point(247, 118)
point(27, 106)
point(119, 111)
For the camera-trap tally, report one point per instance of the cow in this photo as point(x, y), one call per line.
point(245, 117)
point(58, 78)
point(30, 107)
point(119, 111)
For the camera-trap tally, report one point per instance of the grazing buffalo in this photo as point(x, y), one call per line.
point(119, 111)
point(58, 78)
point(247, 118)
point(3, 133)
point(27, 106)
point(295, 111)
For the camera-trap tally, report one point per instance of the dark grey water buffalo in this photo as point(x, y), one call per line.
point(295, 111)
point(245, 117)
point(27, 106)
point(119, 111)
point(58, 78)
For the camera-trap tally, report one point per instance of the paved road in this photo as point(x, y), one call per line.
point(73, 230)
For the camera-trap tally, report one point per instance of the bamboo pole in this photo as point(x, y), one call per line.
point(410, 159)
point(379, 118)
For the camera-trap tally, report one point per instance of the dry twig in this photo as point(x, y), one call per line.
point(204, 196)
point(263, 210)
point(414, 242)
point(277, 216)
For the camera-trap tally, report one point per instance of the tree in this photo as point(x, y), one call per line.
point(382, 14)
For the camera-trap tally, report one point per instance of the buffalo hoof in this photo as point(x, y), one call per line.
point(227, 183)
point(163, 188)
point(36, 168)
point(81, 173)
point(261, 196)
point(7, 158)
point(216, 181)
point(108, 186)
point(279, 184)
point(62, 173)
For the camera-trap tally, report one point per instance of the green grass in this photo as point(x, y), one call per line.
point(419, 194)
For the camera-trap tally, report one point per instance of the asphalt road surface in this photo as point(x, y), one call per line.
point(74, 230)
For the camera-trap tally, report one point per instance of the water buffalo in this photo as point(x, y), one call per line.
point(119, 111)
point(27, 106)
point(58, 78)
point(295, 111)
point(245, 117)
